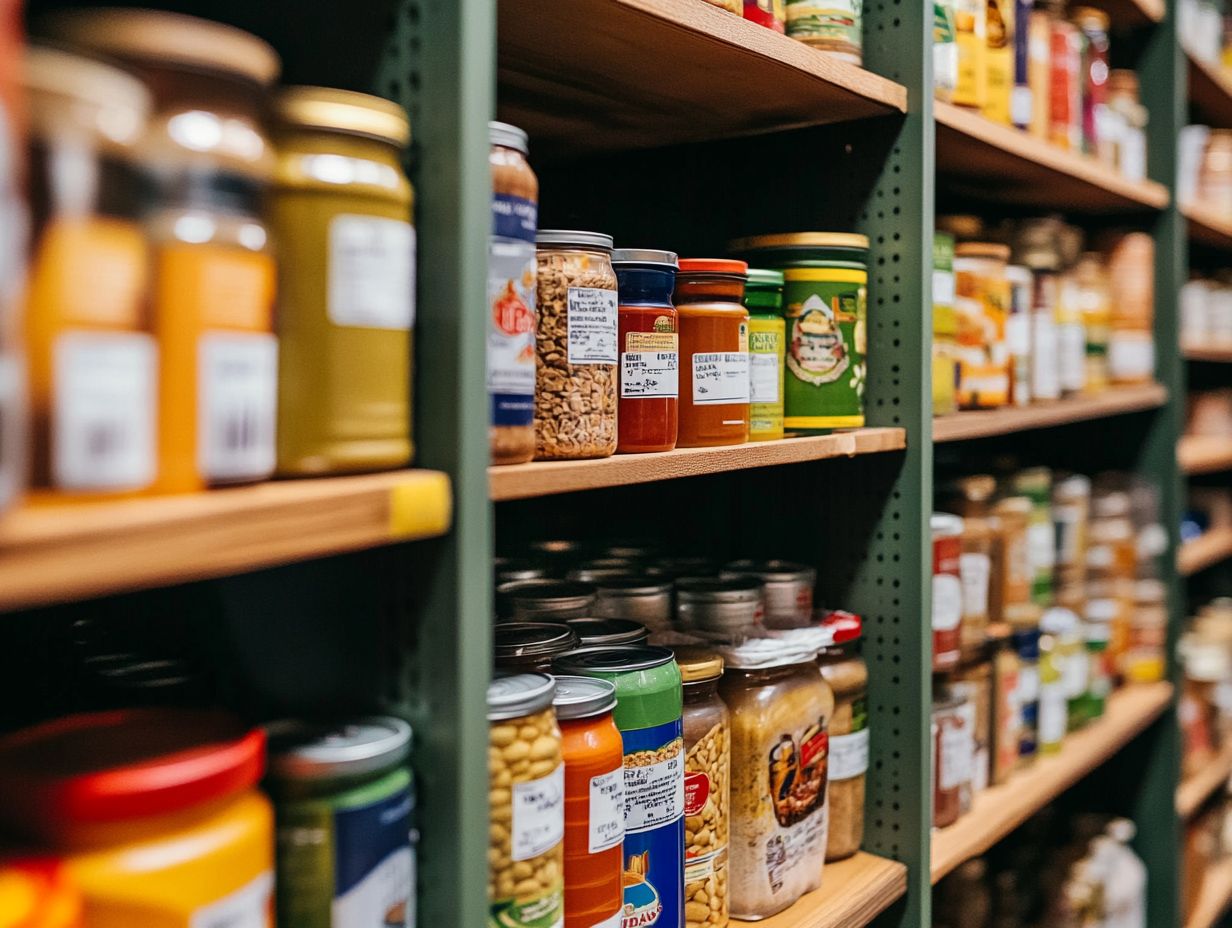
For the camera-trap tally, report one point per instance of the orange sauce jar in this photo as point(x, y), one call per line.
point(714, 352)
point(594, 801)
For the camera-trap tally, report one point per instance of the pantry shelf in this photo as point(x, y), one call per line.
point(1207, 549)
point(1130, 13)
point(1220, 354)
point(1215, 897)
point(603, 75)
point(548, 478)
point(56, 552)
point(1196, 789)
point(853, 893)
point(1210, 92)
point(1005, 164)
point(980, 423)
point(1204, 454)
point(1000, 809)
point(1207, 226)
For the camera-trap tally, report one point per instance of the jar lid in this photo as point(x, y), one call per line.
point(608, 659)
point(563, 238)
point(511, 696)
point(302, 750)
point(507, 136)
point(714, 266)
point(344, 111)
point(760, 277)
point(799, 240)
point(645, 256)
point(123, 764)
point(508, 569)
point(122, 102)
point(583, 697)
point(739, 589)
point(993, 250)
point(755, 653)
point(543, 592)
point(945, 525)
point(770, 571)
point(171, 38)
point(511, 640)
point(844, 626)
point(611, 632)
point(633, 585)
point(698, 664)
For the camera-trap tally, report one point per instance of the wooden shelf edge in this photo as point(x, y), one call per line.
point(1207, 226)
point(853, 892)
point(1196, 789)
point(1204, 454)
point(54, 552)
point(1218, 353)
point(984, 423)
point(1000, 809)
point(1209, 90)
point(1215, 897)
point(547, 478)
point(1207, 549)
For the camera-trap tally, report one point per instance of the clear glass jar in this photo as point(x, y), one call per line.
point(844, 670)
point(576, 342)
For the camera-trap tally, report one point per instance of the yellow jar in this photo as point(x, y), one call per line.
point(341, 217)
point(763, 296)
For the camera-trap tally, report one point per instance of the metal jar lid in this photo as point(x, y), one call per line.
point(645, 256)
point(744, 589)
point(771, 571)
point(625, 659)
point(565, 238)
point(632, 585)
point(698, 664)
point(563, 593)
point(528, 640)
point(507, 136)
point(608, 632)
point(583, 697)
point(301, 750)
point(509, 569)
point(800, 240)
point(512, 696)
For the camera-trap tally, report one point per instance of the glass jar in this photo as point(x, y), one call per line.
point(528, 647)
point(511, 296)
point(577, 335)
point(92, 363)
point(763, 295)
point(728, 609)
point(832, 27)
point(1095, 304)
point(1012, 571)
point(1053, 716)
point(1037, 250)
point(545, 600)
point(951, 755)
point(973, 679)
point(707, 787)
point(1071, 514)
point(1215, 173)
point(1131, 280)
point(1131, 141)
point(649, 350)
point(1035, 484)
point(1093, 81)
point(981, 303)
point(780, 712)
point(1007, 714)
point(844, 670)
point(786, 589)
point(947, 594)
point(975, 571)
point(647, 600)
point(714, 347)
point(1145, 659)
point(1018, 333)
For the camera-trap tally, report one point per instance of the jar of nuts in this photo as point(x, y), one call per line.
point(707, 785)
point(526, 797)
point(575, 383)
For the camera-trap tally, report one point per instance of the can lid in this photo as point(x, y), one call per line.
point(765, 279)
point(770, 652)
point(945, 525)
point(698, 663)
point(645, 256)
point(507, 136)
point(344, 111)
point(714, 266)
point(633, 585)
point(612, 659)
point(591, 632)
point(799, 240)
point(729, 589)
point(566, 237)
point(583, 697)
point(771, 571)
point(301, 750)
point(514, 695)
point(543, 591)
point(531, 639)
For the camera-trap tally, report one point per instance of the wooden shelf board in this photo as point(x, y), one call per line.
point(1206, 550)
point(1000, 809)
point(1210, 92)
point(1003, 163)
point(52, 552)
point(1196, 789)
point(1204, 454)
point(546, 478)
point(1215, 897)
point(981, 423)
point(853, 892)
point(1207, 226)
point(1218, 353)
point(605, 75)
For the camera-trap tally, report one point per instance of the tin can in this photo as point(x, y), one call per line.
point(830, 25)
point(723, 607)
point(530, 646)
point(592, 633)
point(545, 600)
point(971, 37)
point(787, 590)
point(649, 704)
point(825, 296)
point(947, 589)
point(343, 799)
point(643, 599)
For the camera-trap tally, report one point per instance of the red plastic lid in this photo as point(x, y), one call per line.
point(131, 763)
point(846, 626)
point(713, 266)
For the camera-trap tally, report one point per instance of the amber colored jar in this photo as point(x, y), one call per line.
point(714, 352)
point(649, 351)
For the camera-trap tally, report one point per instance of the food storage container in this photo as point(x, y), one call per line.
point(787, 590)
point(844, 670)
point(721, 607)
point(649, 350)
point(982, 303)
point(947, 608)
point(530, 646)
point(545, 600)
point(763, 295)
point(608, 632)
point(643, 599)
point(953, 746)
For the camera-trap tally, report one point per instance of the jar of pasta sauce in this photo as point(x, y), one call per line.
point(947, 533)
point(649, 350)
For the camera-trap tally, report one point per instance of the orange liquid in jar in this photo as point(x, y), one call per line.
point(712, 321)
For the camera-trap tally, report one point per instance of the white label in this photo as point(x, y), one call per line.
point(1042, 545)
point(974, 569)
point(104, 409)
point(247, 907)
point(607, 810)
point(1028, 684)
point(848, 755)
point(1020, 106)
point(947, 602)
point(957, 748)
point(720, 377)
point(538, 815)
point(371, 272)
point(1018, 334)
point(237, 384)
point(592, 325)
point(1131, 355)
point(943, 288)
point(382, 891)
point(649, 373)
point(511, 318)
point(1074, 673)
point(764, 378)
point(1052, 714)
point(654, 794)
point(1071, 338)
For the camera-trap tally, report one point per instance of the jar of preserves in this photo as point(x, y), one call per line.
point(947, 531)
point(828, 26)
point(780, 713)
point(528, 647)
point(576, 343)
point(526, 843)
point(707, 787)
point(844, 670)
point(726, 608)
point(649, 350)
point(642, 599)
point(545, 600)
point(786, 589)
point(594, 800)
point(609, 633)
point(763, 295)
point(714, 347)
point(511, 296)
point(982, 302)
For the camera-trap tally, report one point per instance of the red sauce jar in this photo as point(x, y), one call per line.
point(649, 350)
point(947, 590)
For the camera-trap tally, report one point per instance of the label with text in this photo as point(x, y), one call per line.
point(720, 377)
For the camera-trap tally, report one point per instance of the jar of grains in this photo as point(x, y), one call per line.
point(844, 670)
point(780, 711)
point(575, 381)
point(525, 851)
point(707, 787)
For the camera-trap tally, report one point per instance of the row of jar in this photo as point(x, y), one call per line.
point(154, 816)
point(835, 26)
point(661, 781)
point(219, 283)
point(1044, 68)
point(1205, 713)
point(1057, 322)
point(1206, 310)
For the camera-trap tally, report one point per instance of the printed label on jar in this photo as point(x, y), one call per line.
point(371, 272)
point(647, 374)
point(542, 910)
point(538, 815)
point(592, 323)
point(849, 755)
point(247, 907)
point(974, 569)
point(607, 810)
point(1052, 717)
point(947, 602)
point(511, 332)
point(237, 390)
point(795, 847)
point(720, 377)
point(957, 752)
point(765, 378)
point(654, 825)
point(696, 791)
point(514, 217)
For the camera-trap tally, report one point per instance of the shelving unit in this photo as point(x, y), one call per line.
point(1209, 91)
point(1217, 354)
point(1198, 787)
point(985, 423)
point(1215, 898)
point(1206, 550)
point(1204, 454)
point(852, 894)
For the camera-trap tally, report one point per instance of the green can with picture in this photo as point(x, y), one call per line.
point(825, 302)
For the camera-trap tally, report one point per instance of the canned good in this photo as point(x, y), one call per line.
point(343, 801)
point(947, 533)
point(763, 295)
point(509, 569)
point(640, 599)
point(787, 590)
point(726, 607)
point(608, 632)
point(554, 600)
point(527, 646)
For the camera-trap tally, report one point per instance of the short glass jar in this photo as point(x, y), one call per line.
point(730, 609)
point(649, 350)
point(787, 590)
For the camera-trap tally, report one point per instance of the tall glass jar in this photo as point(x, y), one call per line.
point(1095, 303)
point(844, 670)
point(1093, 82)
point(576, 344)
point(714, 349)
point(649, 350)
point(767, 347)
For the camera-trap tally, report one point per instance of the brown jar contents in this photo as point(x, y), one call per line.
point(1010, 583)
point(950, 757)
point(844, 669)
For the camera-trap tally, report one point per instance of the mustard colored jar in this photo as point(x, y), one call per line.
point(341, 218)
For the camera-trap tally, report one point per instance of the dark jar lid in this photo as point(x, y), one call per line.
point(625, 659)
point(595, 632)
point(530, 644)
